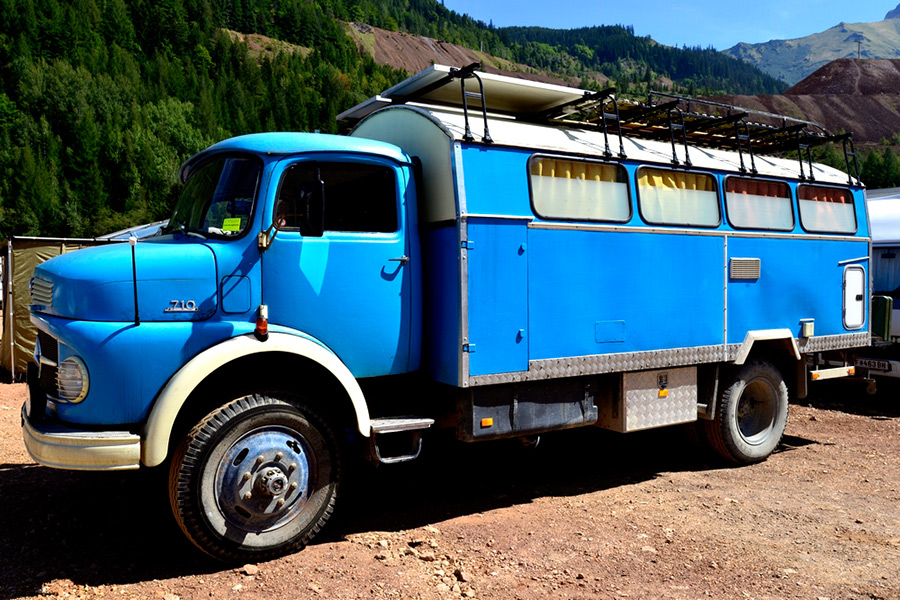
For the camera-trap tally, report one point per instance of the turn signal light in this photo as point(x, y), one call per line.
point(262, 323)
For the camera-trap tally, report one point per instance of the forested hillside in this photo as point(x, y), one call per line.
point(101, 100)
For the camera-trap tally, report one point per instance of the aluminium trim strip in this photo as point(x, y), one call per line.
point(682, 231)
point(725, 295)
point(463, 236)
point(655, 359)
point(507, 217)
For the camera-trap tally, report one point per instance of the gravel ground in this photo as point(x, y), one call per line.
point(587, 514)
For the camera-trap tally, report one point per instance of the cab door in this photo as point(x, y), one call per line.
point(339, 268)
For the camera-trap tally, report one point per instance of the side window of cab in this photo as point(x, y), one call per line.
point(339, 196)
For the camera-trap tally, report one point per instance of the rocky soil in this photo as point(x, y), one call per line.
point(587, 514)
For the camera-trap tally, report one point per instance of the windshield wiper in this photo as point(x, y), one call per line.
point(182, 229)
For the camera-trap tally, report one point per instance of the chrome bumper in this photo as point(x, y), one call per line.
point(63, 448)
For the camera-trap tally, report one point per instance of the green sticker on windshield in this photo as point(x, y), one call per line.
point(233, 224)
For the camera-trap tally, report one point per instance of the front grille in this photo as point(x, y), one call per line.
point(41, 292)
point(50, 352)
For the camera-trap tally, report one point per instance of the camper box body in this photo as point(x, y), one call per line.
point(529, 283)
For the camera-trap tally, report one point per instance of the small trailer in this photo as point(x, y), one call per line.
point(484, 254)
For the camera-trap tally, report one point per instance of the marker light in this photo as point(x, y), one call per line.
point(262, 323)
point(488, 422)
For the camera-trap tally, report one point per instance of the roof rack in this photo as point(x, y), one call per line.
point(676, 119)
point(679, 120)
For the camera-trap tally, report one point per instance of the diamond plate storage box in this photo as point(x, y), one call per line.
point(649, 399)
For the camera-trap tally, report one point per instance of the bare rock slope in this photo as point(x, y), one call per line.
point(859, 96)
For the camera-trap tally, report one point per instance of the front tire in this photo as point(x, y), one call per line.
point(255, 479)
point(751, 415)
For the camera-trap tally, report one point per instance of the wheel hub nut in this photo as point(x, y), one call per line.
point(272, 481)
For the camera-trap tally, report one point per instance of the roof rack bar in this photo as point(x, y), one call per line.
point(680, 126)
point(740, 146)
point(618, 127)
point(751, 111)
point(714, 122)
point(801, 147)
point(848, 137)
point(605, 118)
point(486, 137)
point(648, 110)
point(572, 106)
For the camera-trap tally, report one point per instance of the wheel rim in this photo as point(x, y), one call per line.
point(756, 411)
point(262, 481)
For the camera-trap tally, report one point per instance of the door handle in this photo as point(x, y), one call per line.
point(403, 259)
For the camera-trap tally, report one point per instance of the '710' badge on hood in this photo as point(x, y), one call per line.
point(182, 306)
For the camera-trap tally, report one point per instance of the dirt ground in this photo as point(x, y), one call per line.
point(587, 514)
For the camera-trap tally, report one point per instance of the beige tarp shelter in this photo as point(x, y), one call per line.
point(19, 256)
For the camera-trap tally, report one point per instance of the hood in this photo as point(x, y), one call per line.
point(175, 282)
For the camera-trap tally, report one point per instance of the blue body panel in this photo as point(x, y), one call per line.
point(498, 296)
point(601, 292)
point(799, 279)
point(496, 181)
point(130, 364)
point(182, 270)
point(441, 304)
point(348, 289)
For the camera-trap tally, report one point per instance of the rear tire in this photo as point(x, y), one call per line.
point(751, 414)
point(255, 479)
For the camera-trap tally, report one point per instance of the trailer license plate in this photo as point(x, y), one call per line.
point(876, 365)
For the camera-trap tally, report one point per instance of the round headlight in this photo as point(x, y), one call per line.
point(73, 380)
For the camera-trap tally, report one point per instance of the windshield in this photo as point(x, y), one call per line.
point(218, 198)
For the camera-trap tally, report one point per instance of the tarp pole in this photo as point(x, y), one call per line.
point(9, 309)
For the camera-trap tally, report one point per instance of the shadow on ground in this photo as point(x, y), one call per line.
point(850, 396)
point(115, 528)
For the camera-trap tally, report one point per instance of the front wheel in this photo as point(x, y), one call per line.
point(751, 414)
point(256, 478)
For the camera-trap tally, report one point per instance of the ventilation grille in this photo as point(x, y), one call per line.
point(744, 268)
point(41, 292)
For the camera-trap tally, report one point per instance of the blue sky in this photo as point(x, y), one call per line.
point(721, 24)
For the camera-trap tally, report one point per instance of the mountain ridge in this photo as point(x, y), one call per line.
point(794, 59)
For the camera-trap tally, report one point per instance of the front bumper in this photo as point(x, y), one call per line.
point(61, 447)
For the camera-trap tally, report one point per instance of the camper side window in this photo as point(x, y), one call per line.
point(669, 197)
point(579, 190)
point(758, 204)
point(826, 209)
point(359, 197)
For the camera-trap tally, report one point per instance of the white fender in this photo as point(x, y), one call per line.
point(155, 444)
point(765, 334)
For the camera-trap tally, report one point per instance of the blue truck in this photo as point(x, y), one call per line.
point(483, 254)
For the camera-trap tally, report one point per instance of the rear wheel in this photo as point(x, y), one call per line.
point(751, 414)
point(255, 479)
